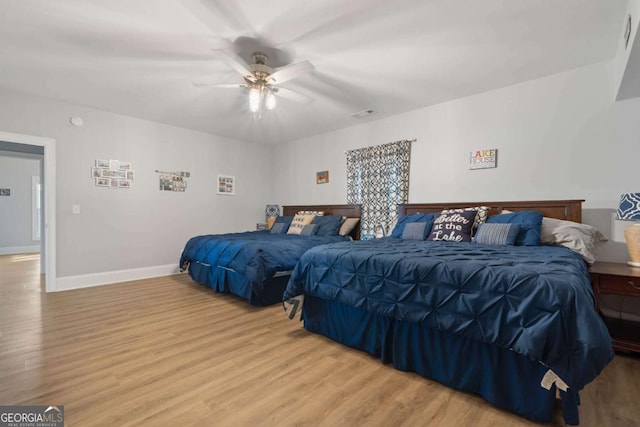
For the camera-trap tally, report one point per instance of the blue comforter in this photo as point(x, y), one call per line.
point(240, 263)
point(536, 301)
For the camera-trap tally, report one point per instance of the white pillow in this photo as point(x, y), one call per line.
point(581, 238)
point(348, 225)
point(299, 221)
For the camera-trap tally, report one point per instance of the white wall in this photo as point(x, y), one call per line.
point(557, 137)
point(15, 210)
point(141, 227)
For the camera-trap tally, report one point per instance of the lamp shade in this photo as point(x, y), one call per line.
point(629, 207)
point(272, 210)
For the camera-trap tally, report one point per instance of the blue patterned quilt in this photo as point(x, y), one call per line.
point(535, 300)
point(240, 263)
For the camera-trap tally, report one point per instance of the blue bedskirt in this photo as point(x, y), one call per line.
point(229, 281)
point(504, 378)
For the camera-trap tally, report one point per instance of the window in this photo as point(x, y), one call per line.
point(378, 180)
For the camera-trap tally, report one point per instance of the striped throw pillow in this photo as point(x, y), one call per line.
point(497, 234)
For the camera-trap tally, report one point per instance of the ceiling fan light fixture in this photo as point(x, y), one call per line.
point(254, 99)
point(263, 81)
point(270, 101)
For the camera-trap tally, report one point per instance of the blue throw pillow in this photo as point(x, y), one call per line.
point(277, 228)
point(530, 223)
point(328, 225)
point(285, 220)
point(497, 234)
point(416, 230)
point(403, 220)
point(309, 230)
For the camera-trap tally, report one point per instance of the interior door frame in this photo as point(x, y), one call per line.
point(49, 232)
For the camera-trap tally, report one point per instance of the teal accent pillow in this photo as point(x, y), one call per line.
point(497, 234)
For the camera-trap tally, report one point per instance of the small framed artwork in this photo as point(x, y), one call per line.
point(483, 159)
point(102, 182)
point(226, 185)
point(5, 192)
point(322, 177)
point(112, 173)
point(131, 175)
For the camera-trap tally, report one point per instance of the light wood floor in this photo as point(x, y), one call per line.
point(169, 352)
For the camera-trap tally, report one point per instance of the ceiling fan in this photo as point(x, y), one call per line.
point(262, 80)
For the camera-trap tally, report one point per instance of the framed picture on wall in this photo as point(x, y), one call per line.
point(102, 163)
point(102, 182)
point(226, 185)
point(322, 177)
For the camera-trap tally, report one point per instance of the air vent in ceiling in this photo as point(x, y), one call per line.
point(363, 113)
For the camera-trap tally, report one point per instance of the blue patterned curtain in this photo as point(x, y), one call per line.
point(378, 179)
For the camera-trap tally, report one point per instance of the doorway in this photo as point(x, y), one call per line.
point(48, 238)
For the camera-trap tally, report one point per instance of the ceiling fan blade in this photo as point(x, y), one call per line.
point(291, 71)
point(213, 12)
point(215, 85)
point(319, 19)
point(235, 62)
point(292, 95)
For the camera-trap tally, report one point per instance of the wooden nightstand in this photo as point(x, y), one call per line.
point(610, 278)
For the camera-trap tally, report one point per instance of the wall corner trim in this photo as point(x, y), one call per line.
point(110, 277)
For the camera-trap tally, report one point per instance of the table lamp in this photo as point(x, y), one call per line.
point(629, 210)
point(271, 212)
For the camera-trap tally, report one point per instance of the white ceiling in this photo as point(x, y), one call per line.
point(140, 57)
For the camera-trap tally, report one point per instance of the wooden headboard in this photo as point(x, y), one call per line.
point(350, 211)
point(570, 210)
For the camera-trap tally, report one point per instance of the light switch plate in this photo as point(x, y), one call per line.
point(76, 209)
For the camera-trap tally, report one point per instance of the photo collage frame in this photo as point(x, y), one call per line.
point(113, 174)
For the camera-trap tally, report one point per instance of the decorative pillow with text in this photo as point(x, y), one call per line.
point(299, 221)
point(453, 225)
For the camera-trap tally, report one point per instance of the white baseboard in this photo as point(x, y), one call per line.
point(109, 277)
point(13, 250)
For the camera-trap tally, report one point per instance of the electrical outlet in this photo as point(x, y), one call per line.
point(76, 209)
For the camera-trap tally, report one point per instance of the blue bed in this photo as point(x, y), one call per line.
point(492, 320)
point(255, 265)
